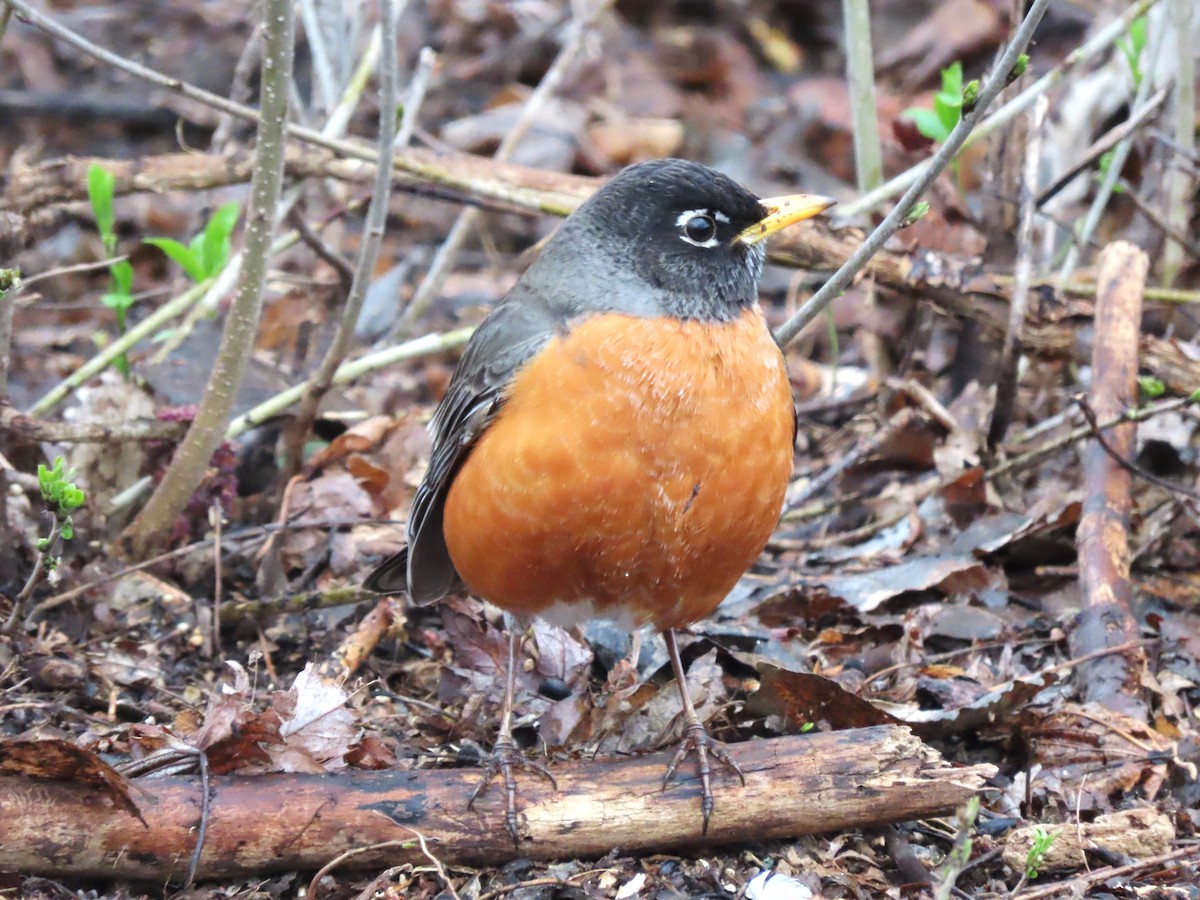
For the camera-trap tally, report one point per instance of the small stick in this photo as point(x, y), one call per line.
point(1010, 354)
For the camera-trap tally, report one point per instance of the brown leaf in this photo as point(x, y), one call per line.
point(806, 699)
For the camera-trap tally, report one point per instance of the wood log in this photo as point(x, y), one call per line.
point(1102, 539)
point(805, 784)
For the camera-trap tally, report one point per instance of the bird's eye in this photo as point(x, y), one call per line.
point(700, 229)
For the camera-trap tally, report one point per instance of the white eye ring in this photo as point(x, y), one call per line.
point(685, 218)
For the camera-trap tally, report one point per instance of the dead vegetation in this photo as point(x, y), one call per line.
point(984, 582)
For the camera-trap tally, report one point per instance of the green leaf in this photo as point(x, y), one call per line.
point(185, 257)
point(1150, 386)
point(117, 301)
point(952, 80)
point(100, 184)
point(68, 529)
point(928, 123)
point(217, 235)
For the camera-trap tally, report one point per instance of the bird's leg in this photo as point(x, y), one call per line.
point(695, 738)
point(505, 756)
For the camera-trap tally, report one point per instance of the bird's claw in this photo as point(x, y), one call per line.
point(696, 739)
point(505, 757)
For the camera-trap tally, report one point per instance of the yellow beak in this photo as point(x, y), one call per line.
point(782, 212)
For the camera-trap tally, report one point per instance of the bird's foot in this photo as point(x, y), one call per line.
point(696, 740)
point(505, 758)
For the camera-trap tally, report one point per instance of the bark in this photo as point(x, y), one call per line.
point(806, 784)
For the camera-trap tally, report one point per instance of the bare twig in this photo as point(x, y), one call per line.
point(1174, 236)
point(988, 92)
point(417, 86)
point(1171, 487)
point(422, 346)
point(119, 345)
point(1103, 144)
point(10, 283)
point(45, 553)
point(376, 221)
point(208, 428)
point(443, 260)
point(1010, 354)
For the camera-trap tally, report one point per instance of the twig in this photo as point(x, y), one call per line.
point(443, 260)
point(72, 270)
point(1081, 289)
point(325, 82)
point(10, 283)
point(1098, 43)
point(1174, 236)
point(314, 242)
point(216, 518)
point(36, 430)
point(422, 346)
point(376, 221)
point(988, 92)
point(1132, 468)
point(1179, 187)
point(860, 73)
point(1024, 461)
point(124, 342)
point(417, 86)
point(1102, 145)
point(45, 553)
point(207, 430)
point(1120, 154)
point(1010, 354)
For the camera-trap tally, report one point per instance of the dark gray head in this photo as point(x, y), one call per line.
point(663, 237)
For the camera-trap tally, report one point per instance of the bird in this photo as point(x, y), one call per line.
point(619, 433)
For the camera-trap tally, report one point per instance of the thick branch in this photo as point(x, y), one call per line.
point(797, 785)
point(1103, 535)
point(208, 428)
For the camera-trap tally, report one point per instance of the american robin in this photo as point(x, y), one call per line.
point(618, 436)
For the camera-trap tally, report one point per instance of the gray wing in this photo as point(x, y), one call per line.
point(504, 342)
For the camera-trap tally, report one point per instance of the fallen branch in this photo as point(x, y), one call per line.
point(1103, 535)
point(797, 785)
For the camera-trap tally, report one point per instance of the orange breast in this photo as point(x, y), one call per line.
point(635, 472)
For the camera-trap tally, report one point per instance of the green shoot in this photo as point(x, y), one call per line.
point(206, 254)
point(119, 298)
point(937, 123)
point(1131, 47)
point(919, 211)
point(1035, 859)
point(61, 497)
point(1018, 69)
point(1151, 387)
